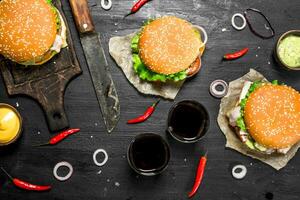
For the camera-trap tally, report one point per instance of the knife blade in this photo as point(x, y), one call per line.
point(97, 64)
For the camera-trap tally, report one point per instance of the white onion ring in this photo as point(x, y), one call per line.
point(63, 164)
point(216, 93)
point(106, 6)
point(204, 34)
point(239, 175)
point(239, 28)
point(95, 157)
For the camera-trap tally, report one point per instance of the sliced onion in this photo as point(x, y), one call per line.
point(63, 164)
point(95, 157)
point(200, 28)
point(239, 28)
point(106, 4)
point(241, 174)
point(216, 93)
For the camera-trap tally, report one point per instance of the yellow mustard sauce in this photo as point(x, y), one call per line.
point(9, 124)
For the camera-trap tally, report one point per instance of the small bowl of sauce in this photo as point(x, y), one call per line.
point(287, 51)
point(188, 121)
point(10, 124)
point(148, 154)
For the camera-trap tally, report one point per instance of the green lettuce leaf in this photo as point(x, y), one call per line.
point(240, 121)
point(134, 44)
point(275, 82)
point(146, 74)
point(241, 124)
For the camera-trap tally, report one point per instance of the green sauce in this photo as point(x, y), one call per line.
point(289, 51)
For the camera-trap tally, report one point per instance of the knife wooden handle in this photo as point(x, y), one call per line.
point(81, 13)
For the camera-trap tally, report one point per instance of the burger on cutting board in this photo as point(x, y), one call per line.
point(31, 31)
point(267, 117)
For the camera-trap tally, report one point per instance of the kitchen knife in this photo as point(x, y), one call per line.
point(103, 84)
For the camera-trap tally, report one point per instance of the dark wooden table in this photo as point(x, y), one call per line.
point(117, 181)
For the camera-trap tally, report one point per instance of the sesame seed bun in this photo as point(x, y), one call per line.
point(27, 30)
point(169, 45)
point(272, 116)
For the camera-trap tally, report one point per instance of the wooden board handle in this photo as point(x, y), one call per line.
point(56, 116)
point(81, 13)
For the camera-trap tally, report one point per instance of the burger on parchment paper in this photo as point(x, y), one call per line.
point(167, 49)
point(158, 58)
point(267, 117)
point(31, 31)
point(264, 116)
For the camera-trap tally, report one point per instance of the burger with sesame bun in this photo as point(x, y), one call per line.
point(31, 31)
point(267, 117)
point(167, 49)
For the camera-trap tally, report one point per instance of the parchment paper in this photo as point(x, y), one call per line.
point(228, 102)
point(120, 50)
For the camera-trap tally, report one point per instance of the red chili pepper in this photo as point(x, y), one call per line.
point(25, 185)
point(145, 116)
point(58, 138)
point(28, 186)
point(199, 175)
point(136, 7)
point(235, 55)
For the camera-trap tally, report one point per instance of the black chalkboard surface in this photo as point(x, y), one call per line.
point(116, 180)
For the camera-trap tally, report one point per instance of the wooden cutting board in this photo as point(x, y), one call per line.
point(46, 83)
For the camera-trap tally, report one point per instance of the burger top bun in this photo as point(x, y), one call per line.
point(272, 116)
point(27, 29)
point(169, 45)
